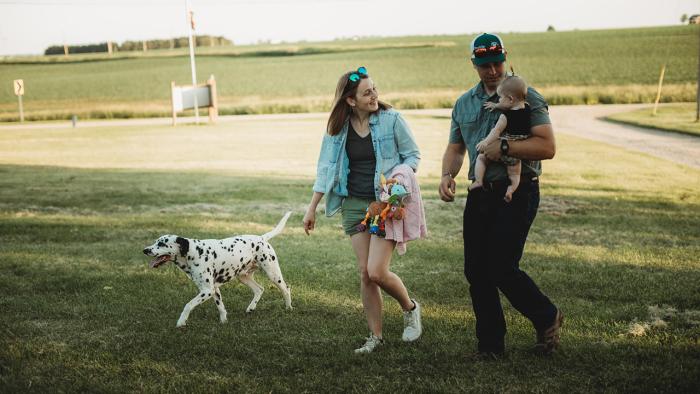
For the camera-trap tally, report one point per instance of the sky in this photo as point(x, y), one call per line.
point(30, 26)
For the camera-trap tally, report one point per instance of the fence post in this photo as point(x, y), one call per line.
point(213, 102)
point(658, 91)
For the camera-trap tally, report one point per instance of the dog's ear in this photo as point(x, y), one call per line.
point(184, 245)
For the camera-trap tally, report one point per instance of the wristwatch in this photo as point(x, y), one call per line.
point(504, 147)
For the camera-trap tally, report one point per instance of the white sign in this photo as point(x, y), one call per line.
point(19, 87)
point(183, 97)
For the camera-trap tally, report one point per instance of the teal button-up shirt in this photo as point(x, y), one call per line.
point(393, 145)
point(471, 123)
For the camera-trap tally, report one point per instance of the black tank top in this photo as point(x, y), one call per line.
point(363, 164)
point(518, 121)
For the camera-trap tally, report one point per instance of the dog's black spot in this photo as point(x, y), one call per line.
point(184, 245)
point(221, 271)
point(220, 279)
point(257, 247)
point(201, 295)
point(200, 251)
point(196, 265)
point(206, 259)
point(214, 254)
point(241, 259)
point(217, 302)
point(279, 281)
point(273, 258)
point(161, 244)
point(208, 270)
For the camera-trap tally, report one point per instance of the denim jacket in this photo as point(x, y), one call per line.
point(393, 145)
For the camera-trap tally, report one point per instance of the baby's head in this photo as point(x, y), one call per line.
point(512, 91)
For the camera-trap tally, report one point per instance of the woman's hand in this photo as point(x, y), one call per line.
point(309, 220)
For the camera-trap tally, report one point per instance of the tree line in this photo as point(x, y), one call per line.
point(172, 43)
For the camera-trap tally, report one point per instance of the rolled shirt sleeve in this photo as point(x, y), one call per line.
point(539, 110)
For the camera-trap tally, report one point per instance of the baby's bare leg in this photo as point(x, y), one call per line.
point(514, 176)
point(479, 171)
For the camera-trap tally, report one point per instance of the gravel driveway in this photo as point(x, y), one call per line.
point(584, 121)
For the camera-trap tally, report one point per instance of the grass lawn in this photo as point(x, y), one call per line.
point(615, 245)
point(672, 117)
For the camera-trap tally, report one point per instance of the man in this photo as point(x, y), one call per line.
point(495, 231)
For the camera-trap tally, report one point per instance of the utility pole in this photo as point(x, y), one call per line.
point(190, 30)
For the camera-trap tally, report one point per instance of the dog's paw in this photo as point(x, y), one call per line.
point(223, 320)
point(250, 310)
point(180, 324)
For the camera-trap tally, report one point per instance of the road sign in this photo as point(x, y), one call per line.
point(19, 87)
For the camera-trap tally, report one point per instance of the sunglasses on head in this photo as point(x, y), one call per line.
point(488, 51)
point(357, 75)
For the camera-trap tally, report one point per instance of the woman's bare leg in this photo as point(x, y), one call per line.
point(378, 261)
point(369, 290)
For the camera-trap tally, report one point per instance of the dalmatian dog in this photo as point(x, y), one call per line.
point(209, 263)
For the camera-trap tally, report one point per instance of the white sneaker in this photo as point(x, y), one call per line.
point(370, 345)
point(412, 327)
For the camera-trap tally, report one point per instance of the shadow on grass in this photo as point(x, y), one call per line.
point(82, 327)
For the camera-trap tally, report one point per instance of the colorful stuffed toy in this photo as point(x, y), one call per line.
point(390, 205)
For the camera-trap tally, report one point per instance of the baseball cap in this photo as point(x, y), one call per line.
point(487, 48)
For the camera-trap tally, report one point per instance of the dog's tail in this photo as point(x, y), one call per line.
point(279, 228)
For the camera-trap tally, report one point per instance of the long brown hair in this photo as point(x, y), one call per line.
point(341, 110)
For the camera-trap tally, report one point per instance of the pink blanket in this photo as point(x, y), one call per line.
point(413, 225)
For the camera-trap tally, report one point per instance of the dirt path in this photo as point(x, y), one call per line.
point(578, 120)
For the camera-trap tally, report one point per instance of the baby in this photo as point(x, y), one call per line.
point(513, 124)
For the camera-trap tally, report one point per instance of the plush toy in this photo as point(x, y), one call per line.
point(390, 205)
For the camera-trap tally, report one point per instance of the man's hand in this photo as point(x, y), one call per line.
point(493, 150)
point(447, 188)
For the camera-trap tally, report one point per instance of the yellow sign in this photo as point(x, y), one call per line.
point(19, 87)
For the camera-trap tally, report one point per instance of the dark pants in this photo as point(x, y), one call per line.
point(494, 237)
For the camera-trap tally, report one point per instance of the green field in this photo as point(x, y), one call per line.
point(675, 117)
point(615, 245)
point(574, 67)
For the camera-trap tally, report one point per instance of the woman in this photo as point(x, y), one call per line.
point(365, 139)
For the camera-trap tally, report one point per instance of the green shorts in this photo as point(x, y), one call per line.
point(354, 210)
